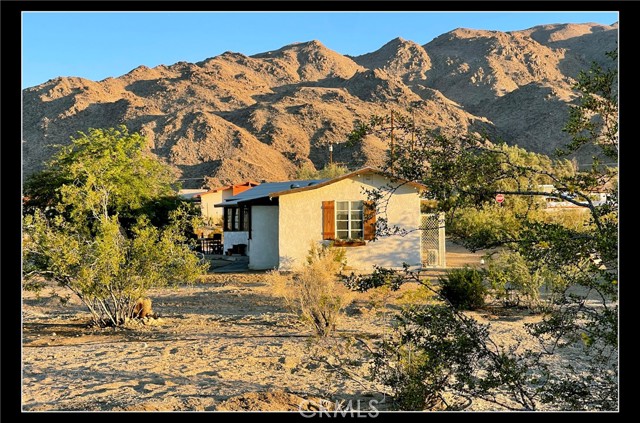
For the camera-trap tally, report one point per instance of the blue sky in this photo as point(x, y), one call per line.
point(96, 45)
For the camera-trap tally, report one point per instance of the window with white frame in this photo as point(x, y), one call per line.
point(349, 219)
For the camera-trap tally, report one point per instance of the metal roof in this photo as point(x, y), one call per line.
point(266, 189)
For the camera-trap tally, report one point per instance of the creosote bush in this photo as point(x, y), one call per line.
point(314, 291)
point(431, 351)
point(463, 288)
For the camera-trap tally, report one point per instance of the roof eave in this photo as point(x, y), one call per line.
point(345, 176)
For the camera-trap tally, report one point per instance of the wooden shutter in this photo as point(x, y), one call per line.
point(328, 220)
point(369, 220)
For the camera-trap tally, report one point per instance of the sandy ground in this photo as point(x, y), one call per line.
point(225, 344)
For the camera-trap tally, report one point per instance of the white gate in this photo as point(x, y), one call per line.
point(432, 245)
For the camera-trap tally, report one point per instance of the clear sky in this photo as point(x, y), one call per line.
point(96, 45)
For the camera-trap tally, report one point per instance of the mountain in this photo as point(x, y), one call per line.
point(234, 117)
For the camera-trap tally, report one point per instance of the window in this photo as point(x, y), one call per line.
point(237, 218)
point(343, 222)
point(349, 219)
point(228, 219)
point(245, 219)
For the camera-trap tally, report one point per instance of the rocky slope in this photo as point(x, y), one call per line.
point(234, 117)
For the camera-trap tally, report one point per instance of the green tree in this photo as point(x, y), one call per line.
point(73, 231)
point(103, 171)
point(464, 174)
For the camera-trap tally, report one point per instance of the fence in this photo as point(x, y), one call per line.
point(432, 240)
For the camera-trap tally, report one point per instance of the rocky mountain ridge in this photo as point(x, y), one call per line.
point(234, 117)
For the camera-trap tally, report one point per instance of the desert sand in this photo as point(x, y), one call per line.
point(224, 344)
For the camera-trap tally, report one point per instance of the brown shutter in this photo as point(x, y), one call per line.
point(369, 220)
point(328, 220)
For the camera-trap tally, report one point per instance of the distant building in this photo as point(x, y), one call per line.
point(216, 195)
point(597, 198)
point(191, 194)
point(208, 197)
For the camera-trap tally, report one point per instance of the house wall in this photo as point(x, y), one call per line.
point(300, 224)
point(237, 189)
point(263, 251)
point(235, 237)
point(210, 199)
point(207, 202)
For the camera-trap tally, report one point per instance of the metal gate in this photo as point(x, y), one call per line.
point(432, 245)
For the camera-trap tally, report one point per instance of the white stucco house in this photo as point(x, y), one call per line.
point(275, 223)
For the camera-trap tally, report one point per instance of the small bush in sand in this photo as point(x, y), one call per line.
point(314, 291)
point(463, 288)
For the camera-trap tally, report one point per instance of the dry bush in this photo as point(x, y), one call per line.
point(314, 292)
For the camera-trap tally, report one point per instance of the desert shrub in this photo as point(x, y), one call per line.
point(463, 288)
point(431, 359)
point(576, 219)
point(108, 271)
point(320, 251)
point(420, 295)
point(314, 291)
point(515, 282)
point(378, 300)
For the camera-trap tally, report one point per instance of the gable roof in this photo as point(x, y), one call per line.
point(277, 189)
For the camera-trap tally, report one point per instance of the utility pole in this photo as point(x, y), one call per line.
point(413, 128)
point(391, 150)
point(330, 154)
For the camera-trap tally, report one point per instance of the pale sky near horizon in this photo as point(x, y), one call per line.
point(97, 45)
